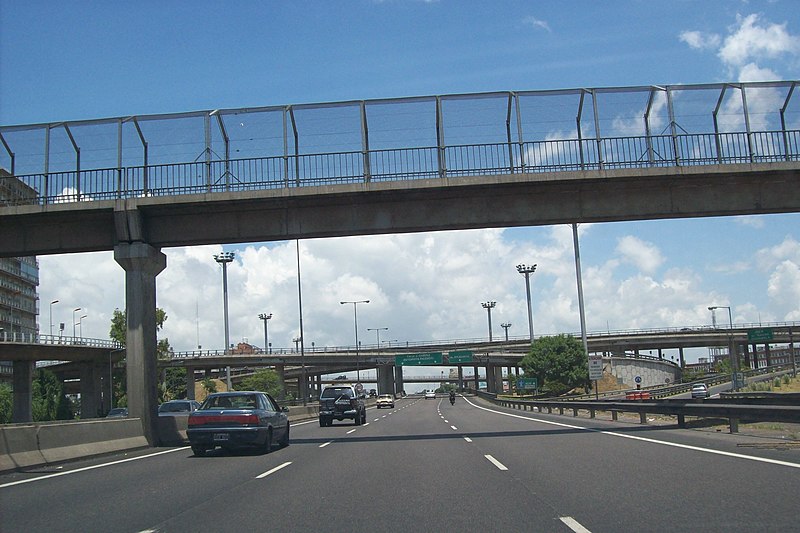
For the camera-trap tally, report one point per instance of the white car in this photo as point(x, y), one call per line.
point(384, 400)
point(430, 395)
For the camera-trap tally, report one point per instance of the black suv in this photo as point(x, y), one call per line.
point(340, 402)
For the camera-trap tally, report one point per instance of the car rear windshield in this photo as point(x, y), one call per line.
point(336, 392)
point(232, 401)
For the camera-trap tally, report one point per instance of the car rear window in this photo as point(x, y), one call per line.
point(335, 392)
point(174, 407)
point(232, 401)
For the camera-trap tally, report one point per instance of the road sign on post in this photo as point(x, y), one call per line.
point(527, 384)
point(418, 359)
point(595, 367)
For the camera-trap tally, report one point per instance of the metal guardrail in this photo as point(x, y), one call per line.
point(733, 409)
point(55, 340)
point(402, 164)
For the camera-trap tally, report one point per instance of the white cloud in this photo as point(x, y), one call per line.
point(536, 23)
point(700, 40)
point(753, 39)
point(644, 255)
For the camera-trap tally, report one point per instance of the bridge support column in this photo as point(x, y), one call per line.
point(461, 378)
point(477, 381)
point(399, 386)
point(279, 369)
point(190, 383)
point(142, 263)
point(22, 380)
point(682, 359)
point(90, 389)
point(385, 379)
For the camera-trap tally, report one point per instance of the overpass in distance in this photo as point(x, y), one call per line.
point(140, 183)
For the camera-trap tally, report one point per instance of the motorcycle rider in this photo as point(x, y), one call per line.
point(452, 397)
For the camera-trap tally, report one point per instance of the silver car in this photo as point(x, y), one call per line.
point(699, 390)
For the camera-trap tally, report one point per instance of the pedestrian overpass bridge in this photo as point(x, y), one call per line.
point(137, 184)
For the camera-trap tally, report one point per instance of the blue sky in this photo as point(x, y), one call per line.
point(80, 60)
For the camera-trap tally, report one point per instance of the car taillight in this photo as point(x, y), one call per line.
point(244, 419)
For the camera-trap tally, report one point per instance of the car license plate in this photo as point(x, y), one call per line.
point(220, 436)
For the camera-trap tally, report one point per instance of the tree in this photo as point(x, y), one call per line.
point(49, 401)
point(559, 363)
point(6, 403)
point(174, 385)
point(263, 380)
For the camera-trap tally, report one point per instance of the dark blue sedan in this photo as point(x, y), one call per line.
point(236, 420)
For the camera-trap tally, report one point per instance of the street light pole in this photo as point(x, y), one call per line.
point(527, 270)
point(51, 316)
point(73, 321)
point(80, 326)
point(505, 326)
point(489, 306)
point(731, 348)
point(265, 317)
point(223, 259)
point(355, 322)
point(378, 334)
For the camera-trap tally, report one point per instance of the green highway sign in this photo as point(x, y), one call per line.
point(419, 359)
point(759, 334)
point(459, 356)
point(527, 383)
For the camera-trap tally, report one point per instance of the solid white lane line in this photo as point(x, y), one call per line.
point(573, 524)
point(454, 428)
point(325, 444)
point(467, 439)
point(20, 482)
point(495, 462)
point(645, 439)
point(268, 472)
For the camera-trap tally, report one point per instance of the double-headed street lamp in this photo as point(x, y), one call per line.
point(223, 259)
point(378, 334)
point(489, 306)
point(527, 270)
point(355, 322)
point(505, 326)
point(265, 317)
point(51, 316)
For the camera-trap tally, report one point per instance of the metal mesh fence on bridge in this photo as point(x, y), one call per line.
point(430, 137)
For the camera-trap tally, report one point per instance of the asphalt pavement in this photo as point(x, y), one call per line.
point(426, 466)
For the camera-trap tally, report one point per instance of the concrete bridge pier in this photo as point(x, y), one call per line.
point(91, 389)
point(399, 385)
point(190, 383)
point(142, 263)
point(385, 379)
point(461, 378)
point(22, 403)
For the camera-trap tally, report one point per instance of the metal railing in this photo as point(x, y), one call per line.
point(35, 338)
point(283, 172)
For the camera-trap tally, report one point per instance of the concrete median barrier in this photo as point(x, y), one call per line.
point(72, 440)
point(19, 447)
point(30, 445)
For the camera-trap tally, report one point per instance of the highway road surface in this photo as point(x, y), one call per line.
point(428, 466)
